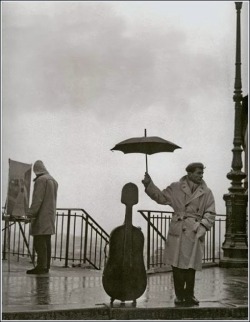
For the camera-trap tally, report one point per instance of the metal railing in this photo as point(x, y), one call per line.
point(78, 239)
point(157, 229)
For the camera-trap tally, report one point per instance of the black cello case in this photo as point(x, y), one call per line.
point(124, 276)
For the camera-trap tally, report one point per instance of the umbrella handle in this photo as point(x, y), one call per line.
point(145, 134)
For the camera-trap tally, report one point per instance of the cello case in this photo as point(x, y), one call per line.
point(124, 276)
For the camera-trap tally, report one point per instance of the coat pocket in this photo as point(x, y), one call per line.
point(190, 226)
point(175, 227)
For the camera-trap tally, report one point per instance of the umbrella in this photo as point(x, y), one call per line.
point(146, 145)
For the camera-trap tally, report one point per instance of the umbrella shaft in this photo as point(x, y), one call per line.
point(145, 134)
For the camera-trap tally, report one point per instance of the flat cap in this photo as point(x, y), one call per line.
point(192, 166)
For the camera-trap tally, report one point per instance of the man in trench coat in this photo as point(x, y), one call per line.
point(42, 213)
point(194, 214)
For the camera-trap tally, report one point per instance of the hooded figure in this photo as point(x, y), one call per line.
point(194, 214)
point(43, 212)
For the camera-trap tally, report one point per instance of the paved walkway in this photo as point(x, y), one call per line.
point(77, 294)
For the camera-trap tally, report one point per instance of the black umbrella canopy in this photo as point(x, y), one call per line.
point(146, 145)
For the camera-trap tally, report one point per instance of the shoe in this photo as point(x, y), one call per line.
point(37, 271)
point(192, 300)
point(178, 300)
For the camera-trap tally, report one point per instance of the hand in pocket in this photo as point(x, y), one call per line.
point(201, 231)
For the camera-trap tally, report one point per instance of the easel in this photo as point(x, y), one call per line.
point(14, 220)
point(18, 173)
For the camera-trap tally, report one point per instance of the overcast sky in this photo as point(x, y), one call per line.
point(79, 77)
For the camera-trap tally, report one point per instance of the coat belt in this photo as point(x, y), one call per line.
point(184, 215)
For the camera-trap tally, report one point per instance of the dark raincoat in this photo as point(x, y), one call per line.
point(43, 207)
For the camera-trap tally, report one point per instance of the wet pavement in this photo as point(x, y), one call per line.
point(76, 293)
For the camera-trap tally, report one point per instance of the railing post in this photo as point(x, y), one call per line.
point(4, 241)
point(67, 239)
point(86, 238)
point(148, 242)
point(220, 238)
point(213, 246)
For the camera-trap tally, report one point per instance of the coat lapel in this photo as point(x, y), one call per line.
point(185, 187)
point(197, 193)
point(189, 195)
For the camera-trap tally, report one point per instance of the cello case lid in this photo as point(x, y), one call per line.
point(129, 194)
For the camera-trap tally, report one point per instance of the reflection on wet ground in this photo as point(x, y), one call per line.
point(50, 290)
point(78, 287)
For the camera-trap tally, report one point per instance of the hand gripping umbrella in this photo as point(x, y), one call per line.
point(146, 145)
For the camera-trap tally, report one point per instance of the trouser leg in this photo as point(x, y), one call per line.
point(179, 281)
point(41, 250)
point(190, 281)
point(48, 245)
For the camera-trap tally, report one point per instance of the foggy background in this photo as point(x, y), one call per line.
point(79, 77)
